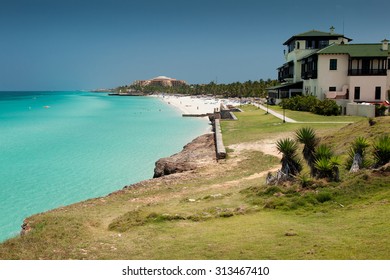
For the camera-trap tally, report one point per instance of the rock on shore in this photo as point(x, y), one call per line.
point(200, 152)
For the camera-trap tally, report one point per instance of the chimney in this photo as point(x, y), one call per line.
point(332, 29)
point(385, 45)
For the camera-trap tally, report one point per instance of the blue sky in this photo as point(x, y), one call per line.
point(74, 44)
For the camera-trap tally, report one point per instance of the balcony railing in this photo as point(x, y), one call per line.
point(282, 77)
point(309, 75)
point(367, 72)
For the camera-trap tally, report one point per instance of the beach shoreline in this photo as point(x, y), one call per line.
point(195, 105)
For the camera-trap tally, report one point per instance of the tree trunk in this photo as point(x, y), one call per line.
point(357, 163)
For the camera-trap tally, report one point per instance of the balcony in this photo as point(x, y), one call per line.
point(309, 75)
point(343, 94)
point(284, 76)
point(367, 72)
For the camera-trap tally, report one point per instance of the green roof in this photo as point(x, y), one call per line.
point(315, 33)
point(356, 50)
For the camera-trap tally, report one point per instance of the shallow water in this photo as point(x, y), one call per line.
point(57, 148)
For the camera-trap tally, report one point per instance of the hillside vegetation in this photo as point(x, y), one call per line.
point(226, 211)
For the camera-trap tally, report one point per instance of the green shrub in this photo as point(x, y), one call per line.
point(323, 197)
point(326, 107)
point(304, 180)
point(310, 103)
point(382, 150)
point(380, 110)
point(272, 190)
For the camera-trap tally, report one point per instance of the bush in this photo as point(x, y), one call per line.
point(382, 150)
point(323, 197)
point(326, 107)
point(300, 103)
point(380, 110)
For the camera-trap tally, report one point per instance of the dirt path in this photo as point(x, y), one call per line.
point(266, 146)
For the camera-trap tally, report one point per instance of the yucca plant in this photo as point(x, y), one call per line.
point(335, 162)
point(357, 155)
point(328, 168)
point(323, 151)
point(291, 164)
point(382, 150)
point(307, 136)
point(304, 180)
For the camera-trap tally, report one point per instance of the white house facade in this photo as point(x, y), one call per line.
point(327, 66)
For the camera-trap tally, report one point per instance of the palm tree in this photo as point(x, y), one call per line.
point(307, 136)
point(291, 164)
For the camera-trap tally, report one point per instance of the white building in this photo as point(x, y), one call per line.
point(327, 66)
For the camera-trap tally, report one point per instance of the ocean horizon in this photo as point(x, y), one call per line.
point(59, 148)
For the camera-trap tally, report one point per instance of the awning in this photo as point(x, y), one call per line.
point(287, 86)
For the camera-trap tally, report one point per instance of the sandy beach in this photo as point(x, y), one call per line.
point(195, 105)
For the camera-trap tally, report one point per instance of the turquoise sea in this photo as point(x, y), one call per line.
point(57, 148)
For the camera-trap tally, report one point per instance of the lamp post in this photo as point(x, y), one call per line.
point(267, 104)
point(284, 114)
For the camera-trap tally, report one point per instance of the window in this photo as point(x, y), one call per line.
point(291, 46)
point(333, 64)
point(357, 93)
point(323, 44)
point(377, 93)
point(332, 88)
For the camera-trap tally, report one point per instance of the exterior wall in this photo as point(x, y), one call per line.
point(310, 87)
point(297, 54)
point(367, 86)
point(387, 92)
point(354, 109)
point(339, 41)
point(332, 78)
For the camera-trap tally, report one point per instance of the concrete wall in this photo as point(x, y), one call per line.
point(354, 109)
point(219, 146)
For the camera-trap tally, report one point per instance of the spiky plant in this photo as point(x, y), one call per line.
point(307, 136)
point(323, 151)
point(335, 162)
point(357, 155)
point(324, 167)
point(382, 150)
point(328, 168)
point(304, 180)
point(291, 164)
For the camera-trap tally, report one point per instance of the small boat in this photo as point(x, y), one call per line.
point(46, 107)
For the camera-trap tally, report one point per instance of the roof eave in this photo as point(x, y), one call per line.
point(303, 36)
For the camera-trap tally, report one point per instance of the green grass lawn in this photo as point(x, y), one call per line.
point(225, 211)
point(310, 117)
point(253, 125)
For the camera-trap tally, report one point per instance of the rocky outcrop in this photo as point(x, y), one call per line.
point(25, 228)
point(200, 152)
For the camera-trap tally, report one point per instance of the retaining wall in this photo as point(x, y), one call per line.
point(219, 146)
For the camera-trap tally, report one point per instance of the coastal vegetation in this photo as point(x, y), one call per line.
point(226, 211)
point(308, 103)
point(237, 89)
